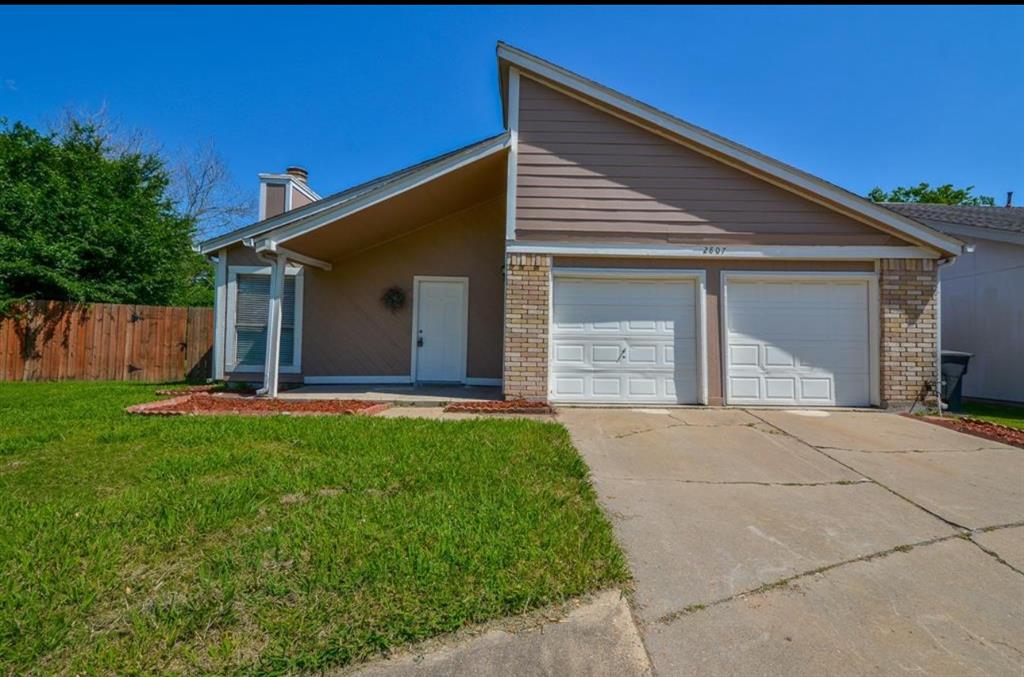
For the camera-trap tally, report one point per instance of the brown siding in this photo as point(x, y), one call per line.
point(585, 175)
point(713, 271)
point(299, 199)
point(348, 332)
point(275, 199)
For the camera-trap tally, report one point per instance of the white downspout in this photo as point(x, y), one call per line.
point(938, 330)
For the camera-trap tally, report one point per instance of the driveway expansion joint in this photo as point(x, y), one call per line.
point(838, 483)
point(910, 451)
point(671, 617)
point(959, 527)
point(992, 553)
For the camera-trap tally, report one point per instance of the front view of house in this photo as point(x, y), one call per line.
point(596, 251)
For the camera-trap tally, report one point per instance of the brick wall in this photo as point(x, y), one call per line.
point(909, 330)
point(525, 372)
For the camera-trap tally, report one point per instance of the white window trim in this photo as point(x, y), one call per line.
point(230, 365)
point(874, 319)
point(699, 276)
point(464, 347)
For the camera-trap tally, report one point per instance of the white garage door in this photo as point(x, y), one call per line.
point(794, 342)
point(615, 340)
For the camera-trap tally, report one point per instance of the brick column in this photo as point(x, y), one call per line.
point(525, 372)
point(909, 330)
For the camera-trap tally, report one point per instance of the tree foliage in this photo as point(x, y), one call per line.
point(84, 220)
point(945, 194)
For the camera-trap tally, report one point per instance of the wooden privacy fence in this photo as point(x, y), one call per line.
point(54, 341)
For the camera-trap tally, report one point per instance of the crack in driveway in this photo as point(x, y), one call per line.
point(784, 582)
point(839, 483)
point(964, 530)
point(908, 451)
point(821, 450)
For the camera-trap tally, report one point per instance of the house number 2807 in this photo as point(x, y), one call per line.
point(714, 250)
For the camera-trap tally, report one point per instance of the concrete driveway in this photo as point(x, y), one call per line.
point(811, 542)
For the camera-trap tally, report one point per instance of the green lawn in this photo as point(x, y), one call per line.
point(279, 544)
point(1006, 414)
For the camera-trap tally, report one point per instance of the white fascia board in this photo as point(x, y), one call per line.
point(281, 179)
point(837, 253)
point(271, 247)
point(726, 148)
point(310, 217)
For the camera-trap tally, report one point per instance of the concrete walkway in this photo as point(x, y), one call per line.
point(596, 638)
point(405, 395)
point(812, 542)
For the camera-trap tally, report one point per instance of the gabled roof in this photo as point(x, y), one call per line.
point(718, 147)
point(334, 207)
point(1001, 223)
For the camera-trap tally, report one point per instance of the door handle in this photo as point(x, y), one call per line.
point(621, 355)
point(419, 342)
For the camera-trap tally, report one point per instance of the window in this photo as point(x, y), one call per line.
point(249, 290)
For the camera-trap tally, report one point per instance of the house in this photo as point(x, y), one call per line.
point(596, 251)
point(982, 295)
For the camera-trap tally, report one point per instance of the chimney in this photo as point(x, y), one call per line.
point(280, 193)
point(1009, 198)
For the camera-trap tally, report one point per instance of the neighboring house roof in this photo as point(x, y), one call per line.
point(717, 146)
point(995, 223)
point(358, 197)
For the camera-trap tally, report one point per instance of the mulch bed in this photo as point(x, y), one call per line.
point(207, 404)
point(190, 390)
point(984, 429)
point(500, 407)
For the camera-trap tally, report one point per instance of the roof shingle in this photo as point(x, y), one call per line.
point(1006, 219)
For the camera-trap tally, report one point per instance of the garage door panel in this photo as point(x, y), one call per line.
point(798, 342)
point(619, 341)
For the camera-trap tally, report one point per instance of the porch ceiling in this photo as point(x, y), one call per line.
point(405, 212)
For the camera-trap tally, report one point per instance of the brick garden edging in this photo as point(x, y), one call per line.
point(205, 404)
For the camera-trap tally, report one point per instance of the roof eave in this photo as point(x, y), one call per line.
point(354, 199)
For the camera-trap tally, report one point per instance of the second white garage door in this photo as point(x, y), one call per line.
point(798, 341)
point(617, 340)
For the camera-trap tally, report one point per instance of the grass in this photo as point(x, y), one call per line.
point(270, 545)
point(1005, 414)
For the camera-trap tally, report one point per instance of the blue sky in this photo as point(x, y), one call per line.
point(859, 96)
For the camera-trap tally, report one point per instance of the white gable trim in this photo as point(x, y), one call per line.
point(623, 106)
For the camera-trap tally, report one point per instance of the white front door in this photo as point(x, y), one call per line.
point(623, 340)
point(797, 341)
point(439, 340)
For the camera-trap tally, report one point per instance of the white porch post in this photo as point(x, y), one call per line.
point(220, 318)
point(273, 361)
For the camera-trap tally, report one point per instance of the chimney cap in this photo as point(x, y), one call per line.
point(299, 173)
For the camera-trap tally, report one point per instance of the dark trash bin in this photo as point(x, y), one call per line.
point(954, 366)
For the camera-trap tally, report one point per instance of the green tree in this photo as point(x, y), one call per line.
point(82, 220)
point(922, 192)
